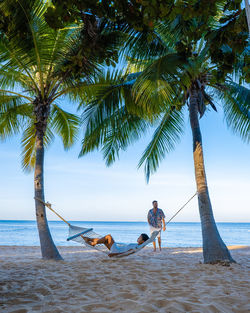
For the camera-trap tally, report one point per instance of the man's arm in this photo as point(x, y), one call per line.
point(164, 225)
point(148, 219)
point(163, 220)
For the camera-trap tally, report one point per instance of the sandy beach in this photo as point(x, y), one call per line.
point(172, 281)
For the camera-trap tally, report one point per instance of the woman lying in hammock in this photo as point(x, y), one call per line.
point(115, 249)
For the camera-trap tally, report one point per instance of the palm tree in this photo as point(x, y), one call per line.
point(40, 66)
point(154, 92)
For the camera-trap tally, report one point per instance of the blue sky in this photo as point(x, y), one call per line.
point(85, 189)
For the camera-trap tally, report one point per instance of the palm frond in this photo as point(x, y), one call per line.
point(86, 50)
point(12, 56)
point(28, 144)
point(111, 117)
point(28, 147)
point(166, 135)
point(36, 53)
point(65, 124)
point(236, 105)
point(109, 93)
point(113, 133)
point(12, 79)
point(124, 130)
point(143, 44)
point(36, 24)
point(155, 87)
point(13, 114)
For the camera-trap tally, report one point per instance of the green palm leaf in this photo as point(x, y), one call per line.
point(28, 144)
point(155, 87)
point(28, 148)
point(166, 135)
point(236, 105)
point(143, 45)
point(65, 124)
point(11, 78)
point(114, 133)
point(108, 122)
point(122, 132)
point(13, 113)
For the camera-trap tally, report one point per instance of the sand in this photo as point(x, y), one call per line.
point(88, 281)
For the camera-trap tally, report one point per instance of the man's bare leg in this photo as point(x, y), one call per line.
point(107, 240)
point(154, 245)
point(159, 242)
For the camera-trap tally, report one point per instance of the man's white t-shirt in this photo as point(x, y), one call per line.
point(124, 248)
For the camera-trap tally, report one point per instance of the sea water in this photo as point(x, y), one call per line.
point(24, 233)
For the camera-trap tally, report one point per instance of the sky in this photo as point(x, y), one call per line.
point(84, 189)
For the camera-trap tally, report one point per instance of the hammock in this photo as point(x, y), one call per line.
point(77, 233)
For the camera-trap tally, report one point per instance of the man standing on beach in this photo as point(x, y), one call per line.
point(156, 218)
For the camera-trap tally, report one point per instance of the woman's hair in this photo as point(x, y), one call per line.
point(144, 237)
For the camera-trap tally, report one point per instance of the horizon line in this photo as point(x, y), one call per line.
point(106, 221)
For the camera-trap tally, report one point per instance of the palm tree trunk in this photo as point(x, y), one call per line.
point(48, 248)
point(214, 249)
point(247, 8)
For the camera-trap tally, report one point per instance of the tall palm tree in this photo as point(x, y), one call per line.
point(38, 67)
point(154, 92)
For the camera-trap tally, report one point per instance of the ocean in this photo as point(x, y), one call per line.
point(24, 233)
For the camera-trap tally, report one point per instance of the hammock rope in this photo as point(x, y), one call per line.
point(181, 208)
point(76, 233)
